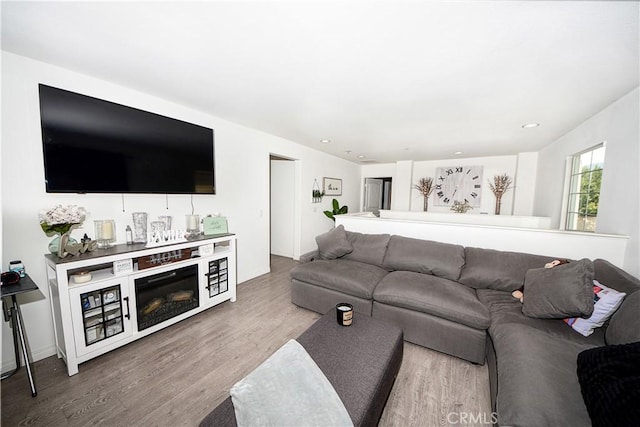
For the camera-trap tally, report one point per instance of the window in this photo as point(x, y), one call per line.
point(585, 178)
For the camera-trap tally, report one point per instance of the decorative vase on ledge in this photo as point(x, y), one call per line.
point(498, 203)
point(500, 185)
point(57, 245)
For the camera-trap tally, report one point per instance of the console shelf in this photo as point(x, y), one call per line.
point(113, 307)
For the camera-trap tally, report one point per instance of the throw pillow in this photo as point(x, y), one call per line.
point(559, 292)
point(334, 244)
point(606, 302)
point(609, 379)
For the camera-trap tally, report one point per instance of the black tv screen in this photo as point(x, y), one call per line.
point(95, 146)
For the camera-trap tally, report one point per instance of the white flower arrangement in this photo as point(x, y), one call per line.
point(60, 219)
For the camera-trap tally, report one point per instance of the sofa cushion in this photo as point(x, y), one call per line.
point(609, 379)
point(424, 256)
point(537, 381)
point(367, 248)
point(349, 277)
point(506, 309)
point(333, 244)
point(433, 295)
point(624, 326)
point(559, 292)
point(500, 270)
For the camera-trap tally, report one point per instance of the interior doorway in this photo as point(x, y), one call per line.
point(282, 189)
point(377, 194)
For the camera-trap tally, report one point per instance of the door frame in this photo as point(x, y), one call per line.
point(297, 202)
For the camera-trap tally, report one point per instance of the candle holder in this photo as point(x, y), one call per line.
point(167, 221)
point(193, 225)
point(344, 312)
point(158, 232)
point(105, 232)
point(139, 227)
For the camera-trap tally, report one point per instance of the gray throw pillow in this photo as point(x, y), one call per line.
point(559, 292)
point(333, 244)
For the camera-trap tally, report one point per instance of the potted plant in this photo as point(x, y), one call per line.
point(337, 210)
point(317, 195)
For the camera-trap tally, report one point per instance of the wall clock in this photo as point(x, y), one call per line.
point(458, 183)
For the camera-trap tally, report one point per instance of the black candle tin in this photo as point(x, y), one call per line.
point(344, 313)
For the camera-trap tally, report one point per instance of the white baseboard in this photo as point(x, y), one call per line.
point(43, 353)
point(278, 253)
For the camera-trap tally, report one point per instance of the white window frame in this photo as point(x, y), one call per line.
point(570, 166)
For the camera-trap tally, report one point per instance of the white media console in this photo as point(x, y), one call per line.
point(105, 299)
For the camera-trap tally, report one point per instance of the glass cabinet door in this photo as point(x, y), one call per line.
point(217, 277)
point(100, 312)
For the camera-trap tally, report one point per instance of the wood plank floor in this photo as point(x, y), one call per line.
point(176, 376)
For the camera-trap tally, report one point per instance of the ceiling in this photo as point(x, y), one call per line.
point(387, 80)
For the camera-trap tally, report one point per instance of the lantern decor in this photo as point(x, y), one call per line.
point(105, 232)
point(500, 185)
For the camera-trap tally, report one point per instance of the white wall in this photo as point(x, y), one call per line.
point(491, 166)
point(525, 184)
point(401, 186)
point(619, 210)
point(282, 207)
point(242, 170)
point(406, 174)
point(381, 170)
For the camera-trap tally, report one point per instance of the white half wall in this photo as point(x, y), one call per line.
point(242, 183)
point(619, 209)
point(456, 218)
point(553, 243)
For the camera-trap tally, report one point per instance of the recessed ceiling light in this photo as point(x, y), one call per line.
point(530, 125)
point(457, 153)
point(325, 141)
point(361, 156)
point(348, 151)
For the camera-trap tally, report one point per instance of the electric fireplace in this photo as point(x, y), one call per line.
point(166, 295)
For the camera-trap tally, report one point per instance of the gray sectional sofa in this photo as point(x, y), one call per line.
point(457, 300)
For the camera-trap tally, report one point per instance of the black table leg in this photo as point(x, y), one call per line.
point(20, 343)
point(23, 344)
point(10, 316)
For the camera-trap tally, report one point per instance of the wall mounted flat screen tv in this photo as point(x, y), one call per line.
point(95, 146)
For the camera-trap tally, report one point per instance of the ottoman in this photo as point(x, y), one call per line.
point(360, 361)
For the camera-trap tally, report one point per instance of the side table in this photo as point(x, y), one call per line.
point(12, 314)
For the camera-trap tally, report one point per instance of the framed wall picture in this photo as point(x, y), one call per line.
point(332, 186)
